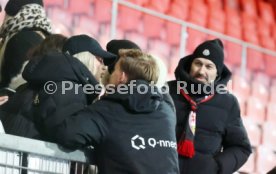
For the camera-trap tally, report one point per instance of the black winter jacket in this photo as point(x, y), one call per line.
point(221, 141)
point(131, 133)
point(17, 114)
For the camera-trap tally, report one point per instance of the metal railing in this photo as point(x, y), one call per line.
point(185, 25)
point(19, 155)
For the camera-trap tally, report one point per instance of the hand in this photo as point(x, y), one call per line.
point(3, 99)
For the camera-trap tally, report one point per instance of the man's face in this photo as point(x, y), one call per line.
point(118, 76)
point(203, 70)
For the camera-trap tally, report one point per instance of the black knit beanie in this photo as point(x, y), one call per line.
point(13, 6)
point(211, 50)
point(115, 45)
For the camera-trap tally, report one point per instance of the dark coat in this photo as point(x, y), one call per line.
point(221, 142)
point(131, 133)
point(17, 114)
point(16, 54)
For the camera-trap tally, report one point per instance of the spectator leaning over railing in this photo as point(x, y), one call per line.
point(132, 131)
point(17, 113)
point(60, 77)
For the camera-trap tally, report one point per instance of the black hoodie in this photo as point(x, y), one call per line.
point(131, 133)
point(218, 126)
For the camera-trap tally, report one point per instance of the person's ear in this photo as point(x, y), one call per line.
point(123, 77)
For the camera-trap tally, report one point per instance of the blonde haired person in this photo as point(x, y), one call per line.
point(94, 64)
point(90, 53)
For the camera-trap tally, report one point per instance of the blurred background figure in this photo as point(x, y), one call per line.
point(25, 25)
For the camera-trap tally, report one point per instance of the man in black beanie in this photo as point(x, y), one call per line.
point(210, 134)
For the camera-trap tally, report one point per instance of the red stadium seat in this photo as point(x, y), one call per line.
point(83, 7)
point(268, 42)
point(139, 39)
point(86, 25)
point(214, 4)
point(174, 59)
point(234, 31)
point(233, 23)
point(179, 10)
point(102, 10)
point(216, 20)
point(242, 103)
point(233, 4)
point(255, 60)
point(265, 159)
point(194, 38)
point(173, 33)
point(262, 78)
point(270, 64)
point(233, 53)
point(59, 14)
point(266, 12)
point(249, 7)
point(273, 29)
point(249, 28)
point(251, 36)
point(260, 91)
point(271, 111)
point(53, 3)
point(269, 135)
point(198, 13)
point(253, 130)
point(60, 28)
point(264, 29)
point(160, 49)
point(139, 2)
point(129, 19)
point(272, 97)
point(162, 5)
point(241, 86)
point(151, 25)
point(255, 109)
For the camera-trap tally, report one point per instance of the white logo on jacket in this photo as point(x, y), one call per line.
point(138, 142)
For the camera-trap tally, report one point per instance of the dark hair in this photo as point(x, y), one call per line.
point(53, 42)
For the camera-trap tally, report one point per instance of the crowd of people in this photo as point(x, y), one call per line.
point(109, 99)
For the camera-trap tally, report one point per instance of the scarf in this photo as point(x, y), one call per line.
point(29, 16)
point(185, 146)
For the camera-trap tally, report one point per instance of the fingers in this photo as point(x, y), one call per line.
point(3, 99)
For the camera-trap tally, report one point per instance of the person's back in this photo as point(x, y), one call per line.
point(17, 114)
point(140, 130)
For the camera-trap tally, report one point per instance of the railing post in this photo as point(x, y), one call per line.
point(183, 41)
point(244, 60)
point(114, 19)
